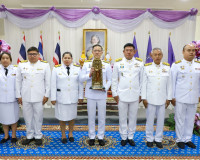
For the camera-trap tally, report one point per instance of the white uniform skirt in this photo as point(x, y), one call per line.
point(65, 112)
point(9, 113)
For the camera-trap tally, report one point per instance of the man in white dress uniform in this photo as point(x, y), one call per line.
point(126, 88)
point(32, 90)
point(186, 93)
point(156, 95)
point(96, 98)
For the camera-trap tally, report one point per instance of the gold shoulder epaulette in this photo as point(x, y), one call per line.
point(165, 63)
point(15, 65)
point(23, 61)
point(88, 61)
point(44, 61)
point(76, 65)
point(106, 61)
point(57, 65)
point(177, 62)
point(147, 64)
point(197, 61)
point(139, 59)
point(119, 59)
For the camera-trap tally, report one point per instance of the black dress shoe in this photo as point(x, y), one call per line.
point(181, 145)
point(91, 142)
point(149, 144)
point(27, 141)
point(101, 142)
point(190, 144)
point(71, 139)
point(131, 142)
point(13, 140)
point(123, 142)
point(38, 142)
point(158, 144)
point(64, 140)
point(5, 140)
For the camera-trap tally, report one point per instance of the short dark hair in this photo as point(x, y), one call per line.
point(129, 45)
point(97, 45)
point(32, 49)
point(67, 53)
point(9, 55)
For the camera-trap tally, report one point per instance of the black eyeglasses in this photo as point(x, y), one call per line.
point(32, 54)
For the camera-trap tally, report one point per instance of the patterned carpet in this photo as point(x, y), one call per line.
point(52, 147)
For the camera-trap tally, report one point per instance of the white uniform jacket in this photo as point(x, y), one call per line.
point(157, 84)
point(66, 89)
point(127, 79)
point(186, 81)
point(107, 76)
point(33, 81)
point(7, 84)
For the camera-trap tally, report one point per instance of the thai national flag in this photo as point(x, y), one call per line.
point(40, 48)
point(22, 51)
point(57, 54)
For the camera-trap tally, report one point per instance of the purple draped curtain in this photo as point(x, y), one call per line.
point(76, 14)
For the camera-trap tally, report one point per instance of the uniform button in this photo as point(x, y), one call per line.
point(130, 81)
point(68, 84)
point(190, 89)
point(191, 77)
point(191, 83)
point(190, 70)
point(130, 87)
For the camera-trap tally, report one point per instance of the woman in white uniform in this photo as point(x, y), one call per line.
point(66, 91)
point(9, 108)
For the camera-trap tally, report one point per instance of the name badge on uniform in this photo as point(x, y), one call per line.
point(137, 65)
point(39, 69)
point(59, 73)
point(164, 70)
point(182, 67)
point(13, 74)
point(75, 73)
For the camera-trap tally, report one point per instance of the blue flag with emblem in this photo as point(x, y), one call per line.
point(149, 49)
point(135, 44)
point(171, 57)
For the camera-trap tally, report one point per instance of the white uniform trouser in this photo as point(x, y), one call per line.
point(184, 118)
point(127, 110)
point(91, 107)
point(33, 116)
point(159, 111)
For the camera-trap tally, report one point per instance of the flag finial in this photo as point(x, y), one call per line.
point(59, 32)
point(149, 32)
point(22, 32)
point(134, 33)
point(170, 33)
point(41, 32)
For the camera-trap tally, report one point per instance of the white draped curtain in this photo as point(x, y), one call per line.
point(71, 39)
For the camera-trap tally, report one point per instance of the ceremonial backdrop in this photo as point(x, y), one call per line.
point(120, 24)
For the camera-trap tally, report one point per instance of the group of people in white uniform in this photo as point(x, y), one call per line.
point(31, 84)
